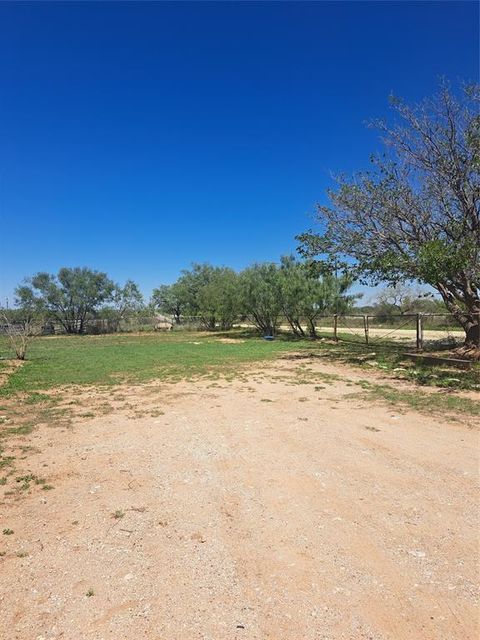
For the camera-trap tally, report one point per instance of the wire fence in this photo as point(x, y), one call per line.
point(419, 331)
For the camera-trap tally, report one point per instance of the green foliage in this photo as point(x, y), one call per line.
point(218, 299)
point(125, 301)
point(170, 300)
point(438, 259)
point(76, 296)
point(67, 297)
point(31, 307)
point(217, 296)
point(204, 292)
point(261, 289)
point(307, 295)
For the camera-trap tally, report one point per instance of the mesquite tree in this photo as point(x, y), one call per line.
point(306, 295)
point(416, 214)
point(125, 301)
point(260, 290)
point(218, 299)
point(170, 299)
point(69, 297)
point(206, 292)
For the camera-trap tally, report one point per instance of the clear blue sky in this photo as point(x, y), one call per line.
point(137, 138)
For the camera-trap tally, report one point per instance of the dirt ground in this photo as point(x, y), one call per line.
point(251, 509)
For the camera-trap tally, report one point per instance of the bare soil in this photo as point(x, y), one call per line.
point(272, 506)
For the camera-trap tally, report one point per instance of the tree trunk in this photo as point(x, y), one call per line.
point(295, 326)
point(472, 334)
point(469, 318)
point(312, 329)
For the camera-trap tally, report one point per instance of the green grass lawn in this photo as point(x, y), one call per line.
point(107, 359)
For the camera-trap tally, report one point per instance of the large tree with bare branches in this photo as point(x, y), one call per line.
point(416, 214)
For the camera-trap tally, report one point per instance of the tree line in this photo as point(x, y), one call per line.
point(293, 292)
point(216, 297)
point(263, 293)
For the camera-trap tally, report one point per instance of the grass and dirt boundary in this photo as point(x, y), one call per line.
point(44, 389)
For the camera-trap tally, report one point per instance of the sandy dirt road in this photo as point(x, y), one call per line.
point(252, 509)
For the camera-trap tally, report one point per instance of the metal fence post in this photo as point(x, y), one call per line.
point(419, 332)
point(478, 330)
point(366, 327)
point(335, 327)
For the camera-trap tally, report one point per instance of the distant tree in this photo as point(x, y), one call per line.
point(294, 288)
point(69, 297)
point(306, 295)
point(208, 293)
point(402, 299)
point(191, 283)
point(260, 287)
point(29, 312)
point(127, 299)
point(327, 294)
point(416, 215)
point(170, 300)
point(430, 304)
point(218, 300)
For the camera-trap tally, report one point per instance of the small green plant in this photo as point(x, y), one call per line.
point(3, 480)
point(90, 593)
point(22, 430)
point(22, 554)
point(48, 487)
point(118, 514)
point(8, 532)
point(25, 480)
point(26, 448)
point(6, 461)
point(35, 397)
